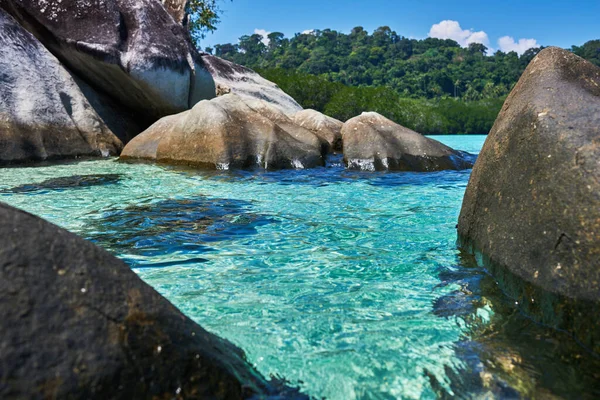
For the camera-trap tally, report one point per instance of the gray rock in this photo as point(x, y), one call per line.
point(226, 133)
point(43, 113)
point(234, 78)
point(373, 142)
point(132, 50)
point(532, 207)
point(77, 323)
point(327, 128)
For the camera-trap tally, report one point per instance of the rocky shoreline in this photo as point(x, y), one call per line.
point(125, 79)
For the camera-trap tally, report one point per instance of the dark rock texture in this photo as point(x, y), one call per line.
point(227, 133)
point(327, 128)
point(532, 207)
point(132, 50)
point(43, 113)
point(373, 142)
point(234, 78)
point(78, 323)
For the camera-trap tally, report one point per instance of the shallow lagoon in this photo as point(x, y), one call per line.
point(347, 284)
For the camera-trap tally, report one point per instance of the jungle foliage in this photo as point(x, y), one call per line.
point(430, 85)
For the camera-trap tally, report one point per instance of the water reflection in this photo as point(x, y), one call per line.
point(504, 353)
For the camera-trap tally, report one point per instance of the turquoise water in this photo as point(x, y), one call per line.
point(325, 277)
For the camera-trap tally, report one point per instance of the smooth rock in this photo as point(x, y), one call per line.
point(225, 133)
point(135, 51)
point(375, 143)
point(43, 113)
point(327, 128)
point(532, 206)
point(275, 114)
point(233, 78)
point(78, 323)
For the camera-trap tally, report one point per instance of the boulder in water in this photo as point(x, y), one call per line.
point(373, 142)
point(225, 133)
point(77, 322)
point(327, 128)
point(532, 206)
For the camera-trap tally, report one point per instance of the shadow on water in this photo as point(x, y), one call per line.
point(333, 173)
point(64, 183)
point(175, 228)
point(505, 354)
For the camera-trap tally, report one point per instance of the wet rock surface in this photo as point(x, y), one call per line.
point(78, 323)
point(226, 133)
point(373, 142)
point(43, 113)
point(532, 207)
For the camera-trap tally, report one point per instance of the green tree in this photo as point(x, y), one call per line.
point(203, 17)
point(590, 51)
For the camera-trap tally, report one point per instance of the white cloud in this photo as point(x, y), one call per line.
point(508, 44)
point(308, 32)
point(449, 29)
point(264, 34)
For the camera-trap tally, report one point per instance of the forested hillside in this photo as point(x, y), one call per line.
point(430, 85)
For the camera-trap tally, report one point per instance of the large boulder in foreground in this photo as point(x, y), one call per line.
point(327, 128)
point(234, 78)
point(43, 113)
point(224, 133)
point(77, 323)
point(373, 142)
point(133, 50)
point(532, 207)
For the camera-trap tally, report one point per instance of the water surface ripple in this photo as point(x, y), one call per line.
point(326, 277)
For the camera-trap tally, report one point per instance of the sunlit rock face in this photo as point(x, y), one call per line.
point(234, 78)
point(227, 133)
point(373, 142)
point(327, 128)
point(79, 323)
point(43, 112)
point(532, 207)
point(136, 51)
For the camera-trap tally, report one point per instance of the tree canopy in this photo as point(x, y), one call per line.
point(430, 85)
point(429, 68)
point(203, 17)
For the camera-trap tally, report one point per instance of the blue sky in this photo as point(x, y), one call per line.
point(549, 22)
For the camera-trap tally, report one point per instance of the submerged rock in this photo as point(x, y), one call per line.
point(373, 142)
point(136, 51)
point(327, 128)
point(225, 133)
point(234, 78)
point(168, 227)
point(66, 183)
point(78, 323)
point(532, 207)
point(43, 113)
